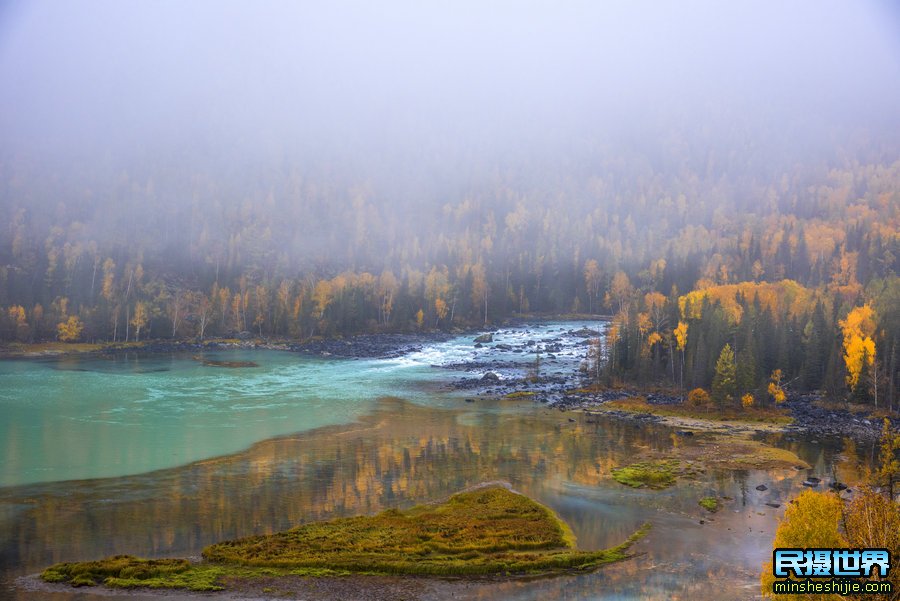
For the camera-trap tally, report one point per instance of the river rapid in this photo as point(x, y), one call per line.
point(158, 455)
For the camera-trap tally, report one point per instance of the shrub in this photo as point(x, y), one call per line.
point(698, 398)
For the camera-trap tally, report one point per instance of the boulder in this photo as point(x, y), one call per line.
point(489, 337)
point(584, 333)
point(490, 377)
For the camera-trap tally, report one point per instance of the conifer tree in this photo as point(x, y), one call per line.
point(724, 385)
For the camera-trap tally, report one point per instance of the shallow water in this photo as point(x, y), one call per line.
point(353, 437)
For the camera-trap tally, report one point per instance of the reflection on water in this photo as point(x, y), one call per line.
point(402, 454)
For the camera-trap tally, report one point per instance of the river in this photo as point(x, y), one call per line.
point(159, 455)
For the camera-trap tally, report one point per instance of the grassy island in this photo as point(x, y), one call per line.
point(650, 474)
point(488, 531)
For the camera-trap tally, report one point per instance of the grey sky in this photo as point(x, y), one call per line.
point(122, 73)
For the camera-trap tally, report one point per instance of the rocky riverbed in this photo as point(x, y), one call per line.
point(493, 376)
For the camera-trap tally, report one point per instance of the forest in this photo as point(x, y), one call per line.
point(784, 253)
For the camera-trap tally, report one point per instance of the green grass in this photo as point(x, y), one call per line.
point(483, 532)
point(649, 474)
point(710, 504)
point(521, 394)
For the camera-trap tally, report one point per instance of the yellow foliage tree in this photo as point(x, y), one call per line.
point(858, 328)
point(680, 341)
point(140, 318)
point(70, 330)
point(811, 521)
point(747, 401)
point(873, 522)
point(775, 389)
point(440, 308)
point(681, 335)
point(18, 322)
point(323, 295)
point(592, 281)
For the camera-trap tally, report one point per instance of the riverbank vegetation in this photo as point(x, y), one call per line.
point(752, 415)
point(867, 519)
point(487, 531)
point(734, 348)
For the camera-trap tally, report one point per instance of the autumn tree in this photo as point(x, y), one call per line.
point(680, 334)
point(812, 520)
point(18, 322)
point(620, 291)
point(70, 330)
point(440, 310)
point(109, 280)
point(698, 398)
point(140, 318)
point(859, 347)
point(592, 281)
point(386, 290)
point(872, 521)
point(201, 310)
point(775, 389)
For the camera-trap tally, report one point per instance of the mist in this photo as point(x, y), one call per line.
point(355, 78)
point(209, 141)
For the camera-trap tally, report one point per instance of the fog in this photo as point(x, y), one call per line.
point(360, 77)
point(210, 141)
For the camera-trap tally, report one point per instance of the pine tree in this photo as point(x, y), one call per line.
point(747, 374)
point(888, 474)
point(724, 385)
point(862, 391)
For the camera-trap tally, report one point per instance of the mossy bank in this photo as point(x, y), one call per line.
point(483, 532)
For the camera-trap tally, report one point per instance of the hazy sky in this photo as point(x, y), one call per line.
point(153, 75)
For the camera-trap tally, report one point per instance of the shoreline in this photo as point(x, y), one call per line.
point(375, 346)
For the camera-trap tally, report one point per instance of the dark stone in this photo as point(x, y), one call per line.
point(762, 487)
point(490, 377)
point(489, 337)
point(584, 333)
point(774, 505)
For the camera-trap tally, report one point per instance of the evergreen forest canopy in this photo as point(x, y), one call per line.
point(700, 213)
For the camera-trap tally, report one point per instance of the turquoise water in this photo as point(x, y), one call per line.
point(96, 417)
point(92, 418)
